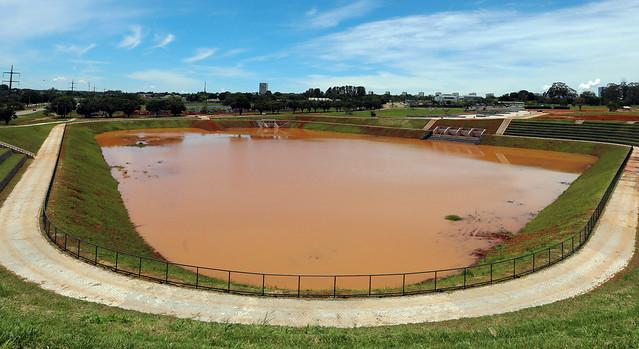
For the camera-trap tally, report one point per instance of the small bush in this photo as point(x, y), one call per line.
point(453, 217)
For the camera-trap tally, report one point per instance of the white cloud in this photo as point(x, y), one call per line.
point(491, 46)
point(589, 84)
point(60, 78)
point(166, 80)
point(75, 49)
point(133, 40)
point(335, 16)
point(28, 19)
point(201, 54)
point(167, 40)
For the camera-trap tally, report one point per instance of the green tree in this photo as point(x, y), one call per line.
point(62, 106)
point(579, 101)
point(561, 91)
point(237, 101)
point(87, 107)
point(156, 106)
point(30, 96)
point(109, 105)
point(7, 114)
point(612, 106)
point(176, 105)
point(129, 106)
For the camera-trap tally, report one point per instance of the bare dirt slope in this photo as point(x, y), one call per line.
point(24, 251)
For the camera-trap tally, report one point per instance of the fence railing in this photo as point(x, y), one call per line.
point(371, 285)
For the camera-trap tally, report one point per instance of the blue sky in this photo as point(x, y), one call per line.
point(479, 46)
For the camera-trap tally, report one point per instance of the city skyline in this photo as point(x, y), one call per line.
point(481, 46)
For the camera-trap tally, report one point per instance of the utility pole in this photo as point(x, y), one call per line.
point(10, 81)
point(72, 83)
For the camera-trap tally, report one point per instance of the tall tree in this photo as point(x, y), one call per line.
point(560, 90)
point(156, 106)
point(62, 106)
point(87, 107)
point(176, 105)
point(7, 114)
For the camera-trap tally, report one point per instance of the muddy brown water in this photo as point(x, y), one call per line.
point(306, 202)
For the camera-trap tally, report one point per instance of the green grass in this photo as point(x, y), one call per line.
point(7, 165)
point(453, 217)
point(35, 318)
point(86, 202)
point(28, 138)
point(31, 118)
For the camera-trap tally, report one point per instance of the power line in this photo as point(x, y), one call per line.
point(72, 83)
point(10, 81)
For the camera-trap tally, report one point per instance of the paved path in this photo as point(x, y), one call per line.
point(24, 251)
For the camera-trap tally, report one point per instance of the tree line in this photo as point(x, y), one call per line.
point(110, 104)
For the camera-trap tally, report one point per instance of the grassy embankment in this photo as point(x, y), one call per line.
point(32, 317)
point(34, 117)
point(86, 203)
point(28, 138)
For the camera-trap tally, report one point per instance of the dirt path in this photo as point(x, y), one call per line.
point(24, 251)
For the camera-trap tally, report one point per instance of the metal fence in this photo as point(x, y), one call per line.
point(277, 285)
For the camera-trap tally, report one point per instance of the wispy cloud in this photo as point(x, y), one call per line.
point(78, 50)
point(333, 17)
point(132, 40)
point(201, 54)
point(485, 45)
point(165, 41)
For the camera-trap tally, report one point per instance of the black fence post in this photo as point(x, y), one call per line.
point(263, 282)
point(95, 260)
point(465, 278)
point(370, 284)
point(491, 273)
point(197, 276)
point(435, 280)
point(140, 268)
point(299, 283)
point(334, 286)
point(403, 284)
point(228, 284)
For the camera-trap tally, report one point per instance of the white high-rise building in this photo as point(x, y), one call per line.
point(263, 87)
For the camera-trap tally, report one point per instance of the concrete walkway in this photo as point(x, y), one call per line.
point(26, 252)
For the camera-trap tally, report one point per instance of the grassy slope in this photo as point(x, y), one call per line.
point(32, 317)
point(7, 165)
point(28, 138)
point(36, 318)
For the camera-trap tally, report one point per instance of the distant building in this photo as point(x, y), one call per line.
point(490, 95)
point(600, 91)
point(263, 87)
point(404, 94)
point(371, 92)
point(455, 97)
point(421, 94)
point(387, 93)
